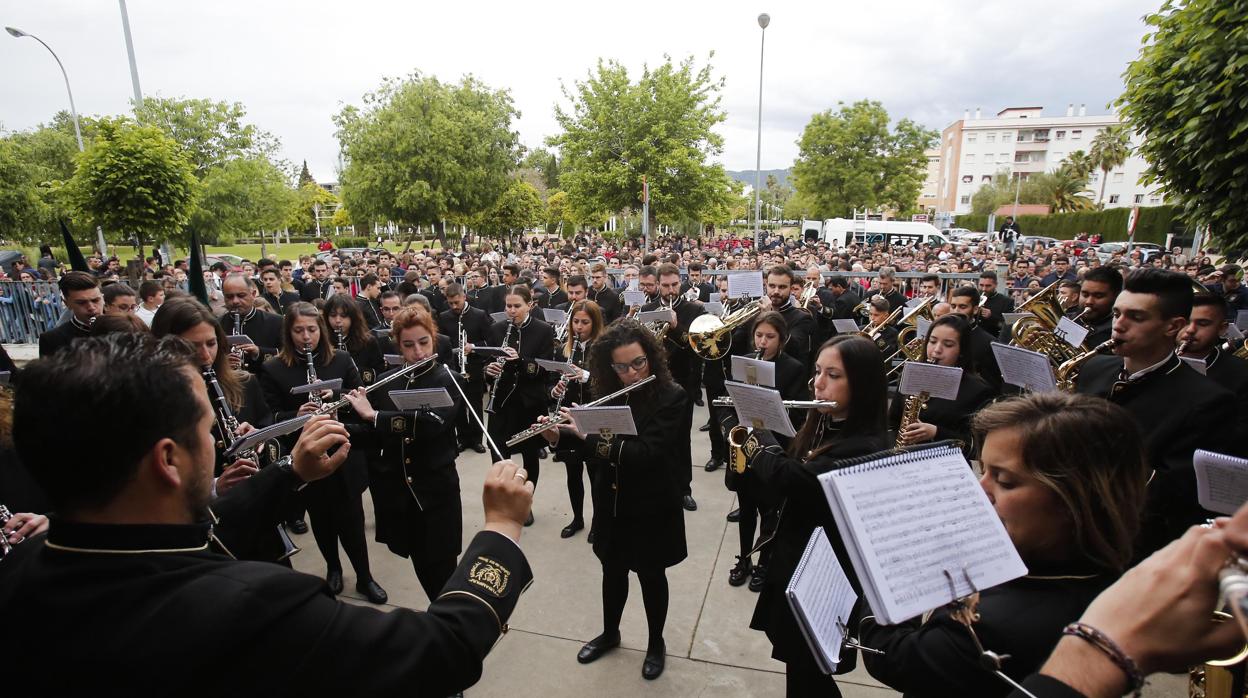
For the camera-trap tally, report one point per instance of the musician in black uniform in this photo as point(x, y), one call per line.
point(695, 280)
point(1100, 288)
point(1178, 410)
point(849, 370)
point(277, 297)
point(993, 306)
point(437, 299)
point(350, 334)
point(756, 502)
point(948, 344)
point(144, 607)
point(242, 317)
point(82, 295)
point(780, 299)
point(319, 285)
point(1066, 475)
point(1202, 339)
point(416, 487)
point(888, 289)
point(684, 364)
point(965, 302)
point(476, 326)
point(369, 299)
point(254, 537)
point(637, 484)
point(600, 292)
point(548, 294)
point(584, 326)
point(885, 334)
point(334, 503)
point(518, 395)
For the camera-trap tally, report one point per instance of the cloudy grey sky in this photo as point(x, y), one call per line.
point(294, 64)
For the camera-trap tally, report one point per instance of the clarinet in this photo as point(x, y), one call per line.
point(563, 380)
point(238, 330)
point(227, 423)
point(489, 406)
point(5, 546)
point(314, 397)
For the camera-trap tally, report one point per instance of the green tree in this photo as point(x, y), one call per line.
point(1110, 148)
point(212, 132)
point(518, 209)
point(1080, 163)
point(850, 159)
point(660, 127)
point(421, 151)
point(241, 197)
point(305, 177)
point(1185, 97)
point(135, 181)
point(41, 160)
point(307, 200)
point(22, 209)
point(1067, 190)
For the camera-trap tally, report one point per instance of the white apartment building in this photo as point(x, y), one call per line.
point(1023, 141)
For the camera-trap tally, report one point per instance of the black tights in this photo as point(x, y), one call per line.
point(433, 574)
point(654, 596)
point(753, 508)
point(340, 517)
point(574, 464)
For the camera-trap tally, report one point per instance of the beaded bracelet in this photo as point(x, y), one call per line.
point(1101, 641)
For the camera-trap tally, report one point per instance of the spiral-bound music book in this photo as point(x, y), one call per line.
point(1221, 481)
point(919, 529)
point(822, 600)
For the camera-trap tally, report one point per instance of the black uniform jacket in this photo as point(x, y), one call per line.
point(265, 330)
point(638, 482)
point(609, 301)
point(1231, 372)
point(577, 392)
point(681, 360)
point(280, 303)
point(369, 359)
point(60, 336)
point(1178, 411)
point(549, 299)
point(803, 508)
point(476, 326)
point(1022, 618)
point(999, 304)
point(801, 331)
point(523, 382)
point(952, 418)
point(417, 464)
point(149, 610)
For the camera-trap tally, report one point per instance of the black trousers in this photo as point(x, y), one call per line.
point(337, 515)
point(654, 596)
point(753, 507)
point(509, 420)
point(467, 429)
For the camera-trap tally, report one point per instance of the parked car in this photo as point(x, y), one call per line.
point(232, 261)
point(1029, 241)
point(954, 233)
point(348, 252)
point(1076, 246)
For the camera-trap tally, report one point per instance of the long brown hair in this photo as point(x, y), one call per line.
point(358, 335)
point(868, 394)
point(182, 314)
point(1088, 452)
point(595, 323)
point(291, 354)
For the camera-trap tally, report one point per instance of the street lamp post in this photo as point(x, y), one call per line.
point(73, 111)
point(763, 20)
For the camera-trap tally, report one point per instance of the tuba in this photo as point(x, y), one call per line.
point(710, 337)
point(1036, 332)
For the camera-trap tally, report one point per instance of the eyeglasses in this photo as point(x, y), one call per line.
point(636, 364)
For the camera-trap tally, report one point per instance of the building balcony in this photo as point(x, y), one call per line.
point(1031, 146)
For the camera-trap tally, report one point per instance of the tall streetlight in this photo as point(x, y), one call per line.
point(73, 111)
point(763, 20)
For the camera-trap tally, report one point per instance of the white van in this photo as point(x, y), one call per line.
point(840, 232)
point(812, 231)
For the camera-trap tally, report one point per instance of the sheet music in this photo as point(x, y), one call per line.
point(1199, 364)
point(1012, 318)
point(554, 316)
point(753, 371)
point(745, 283)
point(924, 326)
point(712, 298)
point(1234, 332)
point(915, 302)
point(820, 595)
point(933, 379)
point(499, 316)
point(845, 326)
point(632, 298)
point(1071, 332)
point(633, 284)
point(331, 384)
point(760, 408)
point(1221, 481)
point(257, 436)
point(566, 368)
point(421, 399)
point(654, 316)
point(490, 352)
point(713, 307)
point(236, 340)
point(1027, 369)
point(909, 518)
point(594, 420)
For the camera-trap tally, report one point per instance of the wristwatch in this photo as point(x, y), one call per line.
point(286, 465)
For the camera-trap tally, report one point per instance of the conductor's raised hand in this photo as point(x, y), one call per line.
point(507, 499)
point(310, 458)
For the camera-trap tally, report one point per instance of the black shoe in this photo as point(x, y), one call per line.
point(372, 591)
point(698, 401)
point(461, 448)
point(712, 464)
point(557, 457)
point(757, 578)
point(479, 448)
point(333, 579)
point(734, 515)
point(740, 572)
point(656, 656)
point(689, 504)
point(590, 538)
point(529, 521)
point(571, 529)
point(597, 647)
point(543, 454)
point(704, 427)
point(297, 526)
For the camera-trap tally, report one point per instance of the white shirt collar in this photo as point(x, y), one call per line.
point(1145, 371)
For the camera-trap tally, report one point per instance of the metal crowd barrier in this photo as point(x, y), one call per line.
point(27, 309)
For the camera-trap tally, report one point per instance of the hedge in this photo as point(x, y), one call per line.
point(1154, 224)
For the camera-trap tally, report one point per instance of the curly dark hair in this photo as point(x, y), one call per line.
point(621, 333)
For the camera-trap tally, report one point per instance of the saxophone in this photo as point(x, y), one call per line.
point(314, 396)
point(1068, 372)
point(910, 412)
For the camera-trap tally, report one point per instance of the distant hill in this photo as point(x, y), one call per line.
point(747, 176)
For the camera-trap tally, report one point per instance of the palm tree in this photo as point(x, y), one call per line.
point(1080, 163)
point(1069, 189)
point(1110, 149)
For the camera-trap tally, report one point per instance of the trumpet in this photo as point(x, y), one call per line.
point(546, 426)
point(808, 292)
point(788, 404)
point(561, 332)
